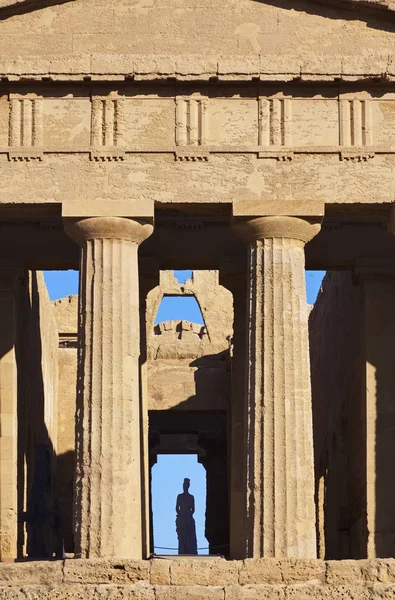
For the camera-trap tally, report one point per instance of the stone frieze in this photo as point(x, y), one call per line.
point(194, 127)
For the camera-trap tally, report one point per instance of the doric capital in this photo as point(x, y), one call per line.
point(251, 229)
point(90, 228)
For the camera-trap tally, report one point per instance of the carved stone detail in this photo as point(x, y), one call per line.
point(357, 155)
point(107, 129)
point(275, 122)
point(191, 121)
point(189, 155)
point(25, 128)
point(355, 122)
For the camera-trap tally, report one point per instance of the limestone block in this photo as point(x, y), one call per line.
point(235, 176)
point(105, 571)
point(346, 592)
point(233, 121)
point(255, 571)
point(378, 570)
point(189, 592)
point(9, 593)
point(204, 572)
point(382, 592)
point(390, 570)
point(149, 122)
point(160, 572)
point(66, 314)
point(255, 592)
point(343, 571)
point(67, 122)
point(302, 570)
point(315, 122)
point(43, 43)
point(86, 592)
point(43, 573)
point(271, 570)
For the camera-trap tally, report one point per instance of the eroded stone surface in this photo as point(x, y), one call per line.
point(304, 582)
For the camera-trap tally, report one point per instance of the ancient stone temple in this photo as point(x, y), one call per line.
point(247, 140)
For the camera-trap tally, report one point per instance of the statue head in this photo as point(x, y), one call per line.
point(186, 484)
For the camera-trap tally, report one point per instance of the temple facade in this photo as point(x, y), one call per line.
point(247, 140)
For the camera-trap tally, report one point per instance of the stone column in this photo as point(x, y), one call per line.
point(108, 500)
point(377, 280)
point(8, 417)
point(237, 284)
point(279, 439)
point(147, 282)
point(217, 513)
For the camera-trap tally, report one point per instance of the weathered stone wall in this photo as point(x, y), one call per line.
point(188, 364)
point(37, 358)
point(66, 314)
point(154, 27)
point(338, 385)
point(186, 361)
point(200, 579)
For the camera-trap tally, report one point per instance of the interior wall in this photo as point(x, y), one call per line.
point(66, 315)
point(37, 361)
point(339, 417)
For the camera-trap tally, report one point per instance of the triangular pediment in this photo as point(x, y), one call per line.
point(379, 4)
point(288, 33)
point(20, 6)
point(355, 5)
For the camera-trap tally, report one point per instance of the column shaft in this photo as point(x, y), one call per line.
point(279, 438)
point(108, 501)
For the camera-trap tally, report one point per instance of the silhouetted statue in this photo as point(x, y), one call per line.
point(185, 523)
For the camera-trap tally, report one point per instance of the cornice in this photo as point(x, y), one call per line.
point(9, 8)
point(267, 68)
point(386, 5)
point(355, 4)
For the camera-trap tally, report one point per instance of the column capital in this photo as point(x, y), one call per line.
point(252, 229)
point(89, 228)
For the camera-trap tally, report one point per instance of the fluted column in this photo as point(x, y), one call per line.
point(279, 441)
point(108, 494)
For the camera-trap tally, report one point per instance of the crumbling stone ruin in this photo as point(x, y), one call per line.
point(247, 140)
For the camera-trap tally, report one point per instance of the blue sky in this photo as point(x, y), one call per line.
point(169, 472)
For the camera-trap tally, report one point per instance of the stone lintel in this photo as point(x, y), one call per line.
point(264, 208)
point(10, 272)
point(109, 207)
point(374, 269)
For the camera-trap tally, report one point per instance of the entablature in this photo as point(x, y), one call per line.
point(193, 122)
